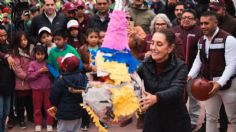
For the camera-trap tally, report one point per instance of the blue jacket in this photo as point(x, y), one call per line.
point(68, 104)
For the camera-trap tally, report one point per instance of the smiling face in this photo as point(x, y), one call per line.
point(187, 20)
point(160, 48)
point(208, 25)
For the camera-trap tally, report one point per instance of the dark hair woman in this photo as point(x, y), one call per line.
point(164, 78)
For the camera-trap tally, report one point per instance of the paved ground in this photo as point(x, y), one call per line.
point(129, 128)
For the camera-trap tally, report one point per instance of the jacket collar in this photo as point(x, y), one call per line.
point(22, 53)
point(53, 16)
point(58, 50)
point(97, 17)
point(69, 73)
point(46, 16)
point(151, 64)
point(215, 33)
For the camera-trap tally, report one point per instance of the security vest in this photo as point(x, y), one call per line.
point(213, 66)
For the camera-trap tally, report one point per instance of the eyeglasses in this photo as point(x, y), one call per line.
point(160, 24)
point(187, 17)
point(102, 3)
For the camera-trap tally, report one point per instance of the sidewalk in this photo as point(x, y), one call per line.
point(130, 128)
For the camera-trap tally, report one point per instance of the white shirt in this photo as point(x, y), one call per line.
point(230, 59)
point(50, 18)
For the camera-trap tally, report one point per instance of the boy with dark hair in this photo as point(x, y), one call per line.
point(61, 49)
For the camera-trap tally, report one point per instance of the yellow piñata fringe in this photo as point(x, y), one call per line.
point(94, 118)
point(124, 101)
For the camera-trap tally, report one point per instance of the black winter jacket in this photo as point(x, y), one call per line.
point(95, 22)
point(7, 77)
point(68, 104)
point(59, 22)
point(169, 114)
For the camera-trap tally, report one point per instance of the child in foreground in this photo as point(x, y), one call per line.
point(66, 94)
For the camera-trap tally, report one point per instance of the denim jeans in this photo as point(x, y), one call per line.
point(4, 110)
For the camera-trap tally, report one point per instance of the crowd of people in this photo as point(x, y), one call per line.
point(48, 46)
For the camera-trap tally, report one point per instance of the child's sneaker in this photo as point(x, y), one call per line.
point(84, 127)
point(22, 125)
point(49, 128)
point(38, 128)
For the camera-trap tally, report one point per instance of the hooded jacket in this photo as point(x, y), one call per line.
point(22, 64)
point(68, 104)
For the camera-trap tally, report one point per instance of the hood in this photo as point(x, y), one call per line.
point(75, 80)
